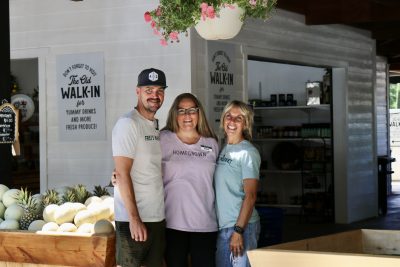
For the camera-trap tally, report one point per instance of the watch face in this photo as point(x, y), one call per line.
point(238, 229)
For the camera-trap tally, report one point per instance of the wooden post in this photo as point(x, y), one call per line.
point(5, 88)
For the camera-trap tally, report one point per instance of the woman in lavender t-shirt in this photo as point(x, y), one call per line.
point(189, 152)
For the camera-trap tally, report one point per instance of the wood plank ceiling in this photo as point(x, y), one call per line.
point(380, 17)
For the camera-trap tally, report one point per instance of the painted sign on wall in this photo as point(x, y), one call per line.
point(220, 79)
point(80, 93)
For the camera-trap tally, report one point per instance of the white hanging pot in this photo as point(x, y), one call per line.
point(226, 26)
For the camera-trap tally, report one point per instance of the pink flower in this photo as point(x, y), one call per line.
point(203, 7)
point(230, 6)
point(211, 12)
point(155, 31)
point(153, 24)
point(163, 42)
point(173, 35)
point(158, 12)
point(253, 2)
point(147, 16)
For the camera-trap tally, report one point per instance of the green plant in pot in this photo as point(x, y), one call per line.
point(174, 17)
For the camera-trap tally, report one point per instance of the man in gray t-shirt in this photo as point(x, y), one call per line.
point(139, 194)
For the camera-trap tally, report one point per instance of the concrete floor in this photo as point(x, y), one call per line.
point(296, 229)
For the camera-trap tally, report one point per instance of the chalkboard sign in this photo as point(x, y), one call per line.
point(8, 123)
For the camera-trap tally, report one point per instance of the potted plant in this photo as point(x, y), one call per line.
point(173, 17)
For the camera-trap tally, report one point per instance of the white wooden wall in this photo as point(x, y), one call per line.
point(47, 28)
point(381, 104)
point(286, 37)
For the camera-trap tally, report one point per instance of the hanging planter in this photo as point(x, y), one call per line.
point(213, 19)
point(226, 26)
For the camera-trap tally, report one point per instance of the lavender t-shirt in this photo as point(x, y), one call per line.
point(188, 172)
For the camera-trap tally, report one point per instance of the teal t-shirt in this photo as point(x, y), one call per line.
point(235, 163)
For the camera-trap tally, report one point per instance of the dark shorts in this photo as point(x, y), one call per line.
point(130, 253)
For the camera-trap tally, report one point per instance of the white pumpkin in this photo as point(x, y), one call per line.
point(1, 220)
point(9, 225)
point(2, 210)
point(49, 211)
point(103, 227)
point(86, 228)
point(36, 225)
point(67, 227)
point(85, 216)
point(10, 197)
point(3, 189)
point(92, 199)
point(13, 212)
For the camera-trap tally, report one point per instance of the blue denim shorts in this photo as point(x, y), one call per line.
point(224, 257)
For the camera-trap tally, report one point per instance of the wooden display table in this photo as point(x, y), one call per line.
point(23, 248)
point(358, 248)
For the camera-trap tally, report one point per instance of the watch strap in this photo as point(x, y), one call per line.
point(238, 229)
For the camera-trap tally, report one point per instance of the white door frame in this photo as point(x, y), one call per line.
point(40, 54)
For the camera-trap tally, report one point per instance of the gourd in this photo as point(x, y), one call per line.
point(92, 199)
point(102, 211)
point(103, 227)
point(13, 212)
point(67, 227)
point(86, 228)
point(9, 225)
point(2, 209)
point(10, 197)
point(85, 216)
point(49, 211)
point(3, 189)
point(65, 213)
point(50, 227)
point(36, 225)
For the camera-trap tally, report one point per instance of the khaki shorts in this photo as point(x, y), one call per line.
point(131, 253)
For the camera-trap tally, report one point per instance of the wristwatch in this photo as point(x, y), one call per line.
point(238, 229)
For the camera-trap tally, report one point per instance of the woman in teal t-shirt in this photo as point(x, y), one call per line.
point(236, 181)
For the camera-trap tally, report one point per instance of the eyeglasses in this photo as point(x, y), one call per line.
point(189, 111)
point(237, 119)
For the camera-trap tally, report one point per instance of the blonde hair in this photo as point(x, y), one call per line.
point(247, 113)
point(202, 126)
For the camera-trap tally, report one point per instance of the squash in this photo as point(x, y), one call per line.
point(85, 216)
point(102, 211)
point(9, 225)
point(67, 227)
point(49, 211)
point(86, 228)
point(36, 225)
point(65, 213)
point(10, 197)
point(13, 212)
point(92, 199)
point(3, 189)
point(50, 227)
point(2, 210)
point(103, 227)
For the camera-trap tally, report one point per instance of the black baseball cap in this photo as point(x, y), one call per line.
point(152, 77)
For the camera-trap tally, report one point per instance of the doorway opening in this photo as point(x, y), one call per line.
point(25, 96)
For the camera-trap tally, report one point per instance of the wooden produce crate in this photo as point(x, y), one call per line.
point(66, 249)
point(357, 248)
